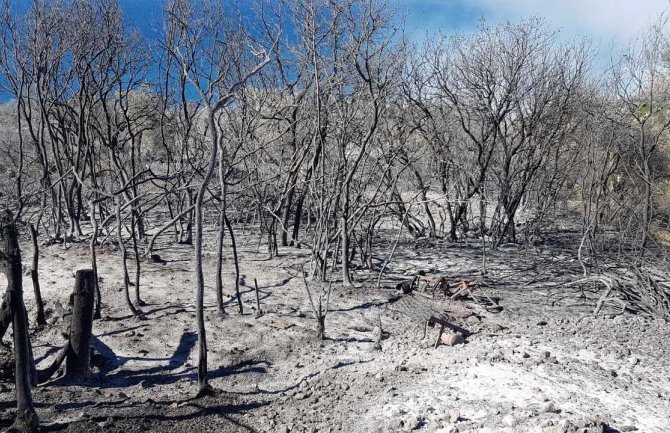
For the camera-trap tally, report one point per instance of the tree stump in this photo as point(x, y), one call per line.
point(77, 364)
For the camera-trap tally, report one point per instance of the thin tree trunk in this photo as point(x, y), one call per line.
point(222, 230)
point(138, 265)
point(259, 311)
point(94, 262)
point(124, 257)
point(41, 320)
point(286, 215)
point(188, 238)
point(297, 219)
point(237, 264)
point(219, 264)
point(203, 384)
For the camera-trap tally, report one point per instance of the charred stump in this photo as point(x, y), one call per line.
point(77, 365)
point(76, 353)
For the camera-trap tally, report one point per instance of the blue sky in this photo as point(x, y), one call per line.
point(604, 21)
point(609, 24)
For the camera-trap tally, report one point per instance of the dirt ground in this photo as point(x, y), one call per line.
point(543, 364)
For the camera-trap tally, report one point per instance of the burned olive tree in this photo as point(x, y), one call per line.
point(512, 92)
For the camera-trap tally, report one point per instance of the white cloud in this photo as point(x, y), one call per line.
point(609, 24)
point(602, 20)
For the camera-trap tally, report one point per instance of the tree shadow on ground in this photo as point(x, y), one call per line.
point(160, 416)
point(160, 374)
point(350, 339)
point(336, 366)
point(363, 306)
point(178, 308)
point(247, 366)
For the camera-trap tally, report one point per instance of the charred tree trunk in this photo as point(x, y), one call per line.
point(5, 315)
point(94, 262)
point(222, 231)
point(344, 238)
point(138, 265)
point(259, 311)
point(81, 326)
point(10, 260)
point(203, 384)
point(219, 263)
point(187, 238)
point(41, 320)
point(286, 215)
point(124, 258)
point(457, 219)
point(237, 264)
point(273, 247)
point(297, 219)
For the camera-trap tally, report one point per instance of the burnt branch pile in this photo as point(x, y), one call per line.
point(633, 289)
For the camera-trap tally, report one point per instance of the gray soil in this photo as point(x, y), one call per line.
point(543, 364)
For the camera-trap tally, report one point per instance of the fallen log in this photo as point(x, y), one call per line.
point(423, 309)
point(638, 290)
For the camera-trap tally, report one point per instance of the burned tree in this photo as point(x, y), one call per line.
point(211, 53)
point(10, 261)
point(320, 309)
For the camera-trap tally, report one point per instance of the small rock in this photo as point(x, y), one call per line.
point(509, 420)
point(451, 339)
point(412, 423)
point(106, 423)
point(550, 408)
point(454, 415)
